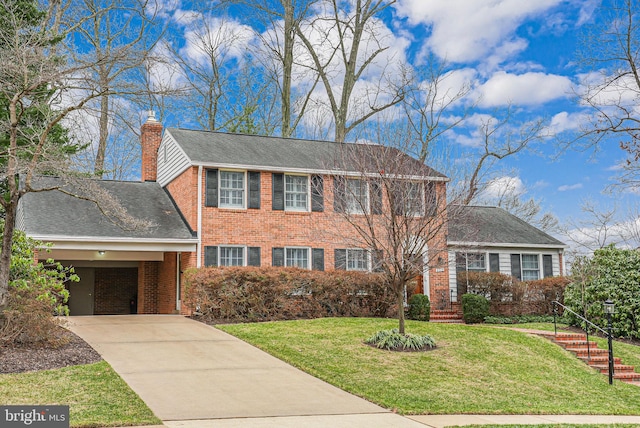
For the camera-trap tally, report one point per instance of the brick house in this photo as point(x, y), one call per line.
point(215, 199)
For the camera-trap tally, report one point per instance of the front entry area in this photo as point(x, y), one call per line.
point(104, 291)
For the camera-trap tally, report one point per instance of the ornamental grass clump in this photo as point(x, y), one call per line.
point(392, 340)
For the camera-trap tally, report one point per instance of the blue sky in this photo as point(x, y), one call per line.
point(516, 53)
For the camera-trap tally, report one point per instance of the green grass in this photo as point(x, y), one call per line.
point(97, 396)
point(475, 369)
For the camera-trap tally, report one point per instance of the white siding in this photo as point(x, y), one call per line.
point(505, 260)
point(172, 161)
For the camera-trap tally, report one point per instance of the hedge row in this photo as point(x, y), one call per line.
point(265, 294)
point(510, 297)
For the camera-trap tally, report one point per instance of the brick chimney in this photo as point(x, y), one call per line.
point(150, 138)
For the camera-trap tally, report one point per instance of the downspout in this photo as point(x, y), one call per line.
point(178, 296)
point(199, 231)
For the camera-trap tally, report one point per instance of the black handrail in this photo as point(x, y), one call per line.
point(606, 333)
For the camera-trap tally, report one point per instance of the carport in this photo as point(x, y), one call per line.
point(121, 270)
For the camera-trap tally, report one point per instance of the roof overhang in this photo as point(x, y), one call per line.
point(463, 244)
point(101, 248)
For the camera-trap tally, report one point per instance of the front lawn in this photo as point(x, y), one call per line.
point(97, 396)
point(475, 369)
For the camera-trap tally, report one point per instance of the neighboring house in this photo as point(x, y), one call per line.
point(217, 199)
point(489, 239)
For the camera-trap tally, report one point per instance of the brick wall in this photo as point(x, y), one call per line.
point(114, 289)
point(167, 284)
point(266, 228)
point(148, 274)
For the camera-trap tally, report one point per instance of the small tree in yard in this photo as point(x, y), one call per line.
point(397, 207)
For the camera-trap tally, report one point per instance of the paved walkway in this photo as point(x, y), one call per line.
point(192, 375)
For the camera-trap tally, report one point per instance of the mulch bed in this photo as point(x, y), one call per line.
point(27, 358)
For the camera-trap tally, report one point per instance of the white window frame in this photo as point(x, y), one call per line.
point(241, 247)
point(286, 257)
point(352, 204)
point(307, 197)
point(474, 253)
point(244, 190)
point(421, 198)
point(367, 259)
point(522, 268)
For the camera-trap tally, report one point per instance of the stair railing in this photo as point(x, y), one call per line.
point(586, 329)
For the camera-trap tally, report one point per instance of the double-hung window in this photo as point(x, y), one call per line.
point(357, 196)
point(471, 262)
point(297, 257)
point(530, 267)
point(296, 192)
point(357, 259)
point(231, 256)
point(232, 189)
point(414, 203)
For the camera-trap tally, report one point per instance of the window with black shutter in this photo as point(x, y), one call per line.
point(340, 257)
point(254, 190)
point(211, 191)
point(277, 256)
point(277, 185)
point(317, 259)
point(253, 256)
point(211, 256)
point(317, 193)
point(547, 265)
point(494, 262)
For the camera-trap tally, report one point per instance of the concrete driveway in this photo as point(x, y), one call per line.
point(191, 374)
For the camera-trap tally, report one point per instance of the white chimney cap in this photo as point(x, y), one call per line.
point(151, 116)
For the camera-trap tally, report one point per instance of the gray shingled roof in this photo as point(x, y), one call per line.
point(493, 225)
point(205, 147)
point(53, 213)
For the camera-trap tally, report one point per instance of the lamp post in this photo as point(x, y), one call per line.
point(609, 309)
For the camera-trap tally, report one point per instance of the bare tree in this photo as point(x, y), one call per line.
point(612, 87)
point(119, 39)
point(499, 141)
point(397, 207)
point(36, 78)
point(428, 102)
point(344, 42)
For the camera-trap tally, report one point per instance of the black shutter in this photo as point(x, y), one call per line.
point(494, 262)
point(317, 193)
point(515, 266)
point(253, 256)
point(277, 185)
point(547, 265)
point(254, 189)
point(317, 259)
point(339, 194)
point(461, 262)
point(211, 256)
point(211, 192)
point(376, 197)
point(431, 198)
point(377, 259)
point(340, 256)
point(277, 257)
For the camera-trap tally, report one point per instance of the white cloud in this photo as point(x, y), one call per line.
point(502, 186)
point(565, 121)
point(523, 89)
point(464, 31)
point(220, 38)
point(569, 187)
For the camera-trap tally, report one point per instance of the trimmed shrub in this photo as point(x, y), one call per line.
point(474, 308)
point(509, 297)
point(392, 340)
point(271, 293)
point(419, 308)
